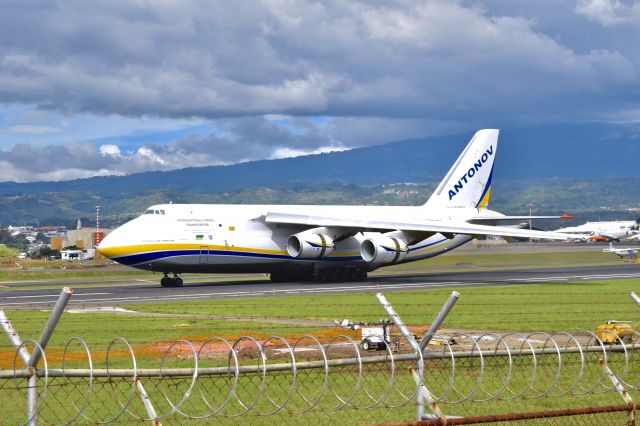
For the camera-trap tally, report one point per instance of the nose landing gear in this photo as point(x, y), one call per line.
point(176, 281)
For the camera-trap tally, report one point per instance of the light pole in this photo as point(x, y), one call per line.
point(530, 208)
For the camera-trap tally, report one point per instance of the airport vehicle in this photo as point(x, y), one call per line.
point(319, 243)
point(622, 329)
point(374, 335)
point(629, 252)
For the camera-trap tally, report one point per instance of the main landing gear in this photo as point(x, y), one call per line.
point(339, 274)
point(321, 275)
point(176, 281)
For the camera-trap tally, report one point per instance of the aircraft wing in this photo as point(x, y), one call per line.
point(427, 226)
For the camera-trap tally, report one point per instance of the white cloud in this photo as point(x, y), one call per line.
point(146, 153)
point(610, 12)
point(288, 152)
point(110, 150)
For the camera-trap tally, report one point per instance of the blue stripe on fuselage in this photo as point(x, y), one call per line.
point(427, 245)
point(135, 259)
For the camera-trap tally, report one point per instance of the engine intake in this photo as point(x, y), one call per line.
point(308, 245)
point(383, 250)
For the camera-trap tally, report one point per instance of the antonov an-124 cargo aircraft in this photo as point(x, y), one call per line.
point(319, 243)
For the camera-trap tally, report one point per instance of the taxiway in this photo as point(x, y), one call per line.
point(149, 291)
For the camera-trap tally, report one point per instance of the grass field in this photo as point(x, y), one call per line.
point(153, 326)
point(532, 307)
point(547, 307)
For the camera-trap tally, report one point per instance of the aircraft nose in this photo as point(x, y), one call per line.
point(109, 245)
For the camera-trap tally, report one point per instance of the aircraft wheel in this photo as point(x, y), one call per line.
point(322, 275)
point(277, 277)
point(353, 275)
point(366, 344)
point(178, 282)
point(343, 274)
point(165, 282)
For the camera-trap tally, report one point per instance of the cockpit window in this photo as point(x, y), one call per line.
point(152, 211)
point(161, 211)
point(149, 212)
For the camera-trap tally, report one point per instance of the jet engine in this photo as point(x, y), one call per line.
point(309, 245)
point(383, 250)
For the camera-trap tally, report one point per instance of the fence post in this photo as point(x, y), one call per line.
point(147, 403)
point(407, 334)
point(31, 361)
point(13, 336)
point(32, 385)
point(631, 415)
point(433, 403)
point(435, 325)
point(50, 326)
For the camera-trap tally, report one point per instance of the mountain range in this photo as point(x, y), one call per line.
point(526, 158)
point(568, 151)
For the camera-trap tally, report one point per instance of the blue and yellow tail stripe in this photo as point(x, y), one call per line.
point(486, 193)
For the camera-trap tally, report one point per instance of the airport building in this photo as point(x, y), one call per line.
point(84, 238)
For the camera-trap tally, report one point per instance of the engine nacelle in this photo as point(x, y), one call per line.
point(309, 245)
point(383, 250)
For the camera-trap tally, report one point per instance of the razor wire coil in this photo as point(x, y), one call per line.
point(264, 377)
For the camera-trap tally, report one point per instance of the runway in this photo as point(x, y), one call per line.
point(115, 295)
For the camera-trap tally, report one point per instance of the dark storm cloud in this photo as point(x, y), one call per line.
point(435, 59)
point(259, 73)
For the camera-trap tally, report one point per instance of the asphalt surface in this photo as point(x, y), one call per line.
point(147, 291)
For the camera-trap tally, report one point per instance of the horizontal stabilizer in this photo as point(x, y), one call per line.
point(491, 219)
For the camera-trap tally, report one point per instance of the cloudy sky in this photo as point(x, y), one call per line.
point(113, 87)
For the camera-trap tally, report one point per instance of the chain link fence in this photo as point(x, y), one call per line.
point(334, 381)
point(532, 378)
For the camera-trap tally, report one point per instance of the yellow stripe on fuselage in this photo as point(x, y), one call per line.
point(120, 251)
point(426, 249)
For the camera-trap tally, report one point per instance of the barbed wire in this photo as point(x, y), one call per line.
point(276, 376)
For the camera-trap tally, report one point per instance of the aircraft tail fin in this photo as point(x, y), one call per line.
point(468, 182)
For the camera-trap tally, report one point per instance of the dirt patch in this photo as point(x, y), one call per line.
point(307, 349)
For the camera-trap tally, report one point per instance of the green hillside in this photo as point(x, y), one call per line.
point(611, 198)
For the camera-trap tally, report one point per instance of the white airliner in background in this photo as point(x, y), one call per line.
point(320, 243)
point(631, 252)
point(602, 231)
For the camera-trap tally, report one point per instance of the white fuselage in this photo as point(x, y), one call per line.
point(235, 238)
point(323, 243)
point(612, 230)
